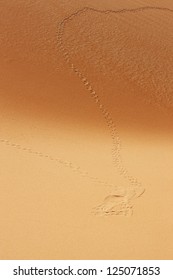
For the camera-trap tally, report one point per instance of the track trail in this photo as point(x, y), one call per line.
point(113, 204)
point(121, 202)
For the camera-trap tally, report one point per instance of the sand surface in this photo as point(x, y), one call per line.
point(86, 134)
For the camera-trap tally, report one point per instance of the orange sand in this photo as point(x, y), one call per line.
point(86, 111)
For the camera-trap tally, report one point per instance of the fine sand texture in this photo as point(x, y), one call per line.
point(86, 134)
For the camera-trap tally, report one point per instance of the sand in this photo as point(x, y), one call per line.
point(86, 112)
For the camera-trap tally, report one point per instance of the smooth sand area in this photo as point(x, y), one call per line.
point(86, 134)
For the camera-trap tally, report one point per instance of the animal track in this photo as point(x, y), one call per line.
point(112, 204)
point(67, 164)
point(121, 202)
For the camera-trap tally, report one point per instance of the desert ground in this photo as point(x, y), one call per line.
point(86, 134)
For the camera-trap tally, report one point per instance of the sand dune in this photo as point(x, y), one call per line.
point(86, 129)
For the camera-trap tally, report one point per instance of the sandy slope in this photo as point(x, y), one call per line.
point(86, 126)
